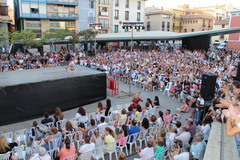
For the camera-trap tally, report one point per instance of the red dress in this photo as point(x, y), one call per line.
point(135, 102)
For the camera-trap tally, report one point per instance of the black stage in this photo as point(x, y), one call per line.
point(27, 94)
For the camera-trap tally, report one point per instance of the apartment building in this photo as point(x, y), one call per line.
point(43, 15)
point(220, 24)
point(158, 20)
point(194, 23)
point(87, 13)
point(4, 23)
point(177, 19)
point(234, 39)
point(127, 11)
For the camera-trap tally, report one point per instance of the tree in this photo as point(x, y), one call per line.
point(74, 39)
point(54, 36)
point(88, 34)
point(4, 37)
point(26, 37)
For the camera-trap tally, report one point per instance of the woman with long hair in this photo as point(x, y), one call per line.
point(81, 115)
point(5, 146)
point(58, 115)
point(206, 127)
point(145, 124)
point(107, 107)
point(67, 150)
point(109, 139)
point(156, 102)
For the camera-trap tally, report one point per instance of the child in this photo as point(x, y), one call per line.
point(71, 65)
point(136, 101)
point(185, 107)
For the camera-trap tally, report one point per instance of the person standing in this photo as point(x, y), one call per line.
point(199, 109)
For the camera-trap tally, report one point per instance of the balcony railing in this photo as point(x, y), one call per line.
point(62, 15)
point(178, 27)
point(63, 1)
point(177, 18)
point(103, 14)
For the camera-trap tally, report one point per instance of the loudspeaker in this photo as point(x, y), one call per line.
point(208, 86)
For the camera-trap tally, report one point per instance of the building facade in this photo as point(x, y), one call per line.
point(158, 20)
point(4, 24)
point(220, 24)
point(43, 15)
point(87, 13)
point(177, 19)
point(104, 15)
point(234, 39)
point(194, 23)
point(127, 11)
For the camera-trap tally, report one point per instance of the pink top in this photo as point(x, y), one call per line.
point(68, 152)
point(167, 118)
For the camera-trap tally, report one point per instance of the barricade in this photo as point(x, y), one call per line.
point(113, 85)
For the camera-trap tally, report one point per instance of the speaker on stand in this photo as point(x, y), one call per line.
point(207, 91)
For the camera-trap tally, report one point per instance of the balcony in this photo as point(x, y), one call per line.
point(177, 18)
point(177, 27)
point(62, 15)
point(66, 2)
point(203, 25)
point(209, 26)
point(103, 14)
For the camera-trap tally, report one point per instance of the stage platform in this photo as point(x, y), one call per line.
point(27, 94)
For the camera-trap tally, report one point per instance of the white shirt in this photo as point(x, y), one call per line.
point(37, 157)
point(184, 137)
point(182, 156)
point(147, 153)
point(85, 150)
point(206, 131)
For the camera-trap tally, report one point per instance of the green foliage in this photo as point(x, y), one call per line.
point(26, 37)
point(55, 35)
point(74, 38)
point(4, 36)
point(88, 34)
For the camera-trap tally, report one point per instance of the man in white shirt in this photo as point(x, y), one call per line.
point(184, 155)
point(185, 136)
point(147, 152)
point(199, 109)
point(85, 150)
point(42, 154)
point(198, 147)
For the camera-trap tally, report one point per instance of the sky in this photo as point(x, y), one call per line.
point(173, 3)
point(193, 3)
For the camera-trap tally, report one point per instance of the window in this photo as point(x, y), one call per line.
point(166, 16)
point(115, 28)
point(223, 25)
point(148, 26)
point(4, 10)
point(196, 21)
point(162, 29)
point(103, 11)
point(127, 15)
point(185, 30)
point(138, 5)
point(91, 4)
point(91, 18)
point(173, 25)
point(138, 16)
point(35, 26)
point(192, 30)
point(105, 23)
point(116, 3)
point(116, 14)
point(163, 25)
point(34, 10)
point(103, 2)
point(127, 4)
point(221, 36)
point(168, 25)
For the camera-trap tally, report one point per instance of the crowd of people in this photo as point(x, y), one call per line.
point(164, 134)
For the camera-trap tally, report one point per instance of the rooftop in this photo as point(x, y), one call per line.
point(158, 12)
point(200, 16)
point(224, 21)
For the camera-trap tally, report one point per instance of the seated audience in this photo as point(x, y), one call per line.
point(46, 119)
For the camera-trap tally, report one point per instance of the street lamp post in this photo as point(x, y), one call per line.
point(132, 26)
point(95, 26)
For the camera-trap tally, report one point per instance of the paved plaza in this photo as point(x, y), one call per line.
point(165, 101)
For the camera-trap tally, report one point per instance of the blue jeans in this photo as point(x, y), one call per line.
point(198, 117)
